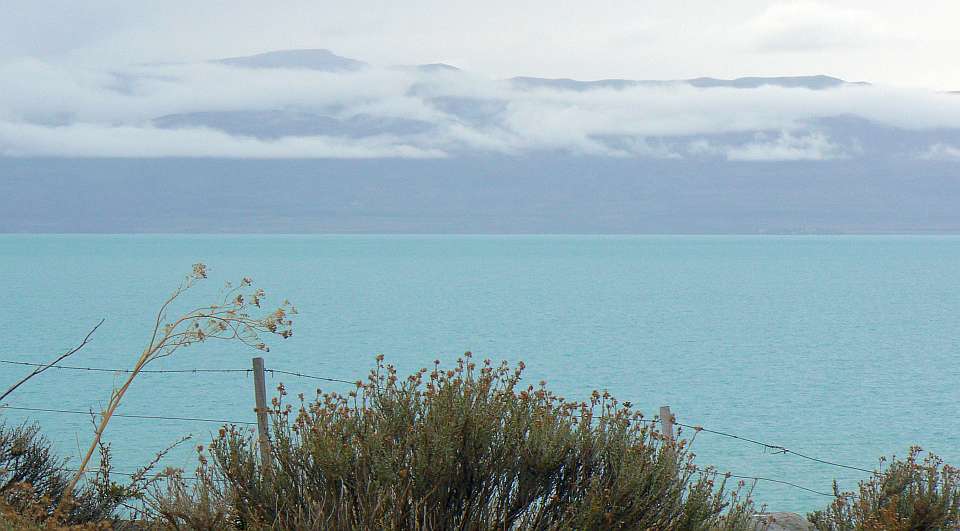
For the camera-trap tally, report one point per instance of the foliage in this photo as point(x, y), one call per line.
point(467, 448)
point(912, 494)
point(33, 480)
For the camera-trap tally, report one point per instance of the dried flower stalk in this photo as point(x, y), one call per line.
point(231, 319)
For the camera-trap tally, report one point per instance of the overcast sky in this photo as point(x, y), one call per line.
point(886, 41)
point(131, 79)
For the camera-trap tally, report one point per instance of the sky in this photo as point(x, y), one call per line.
point(883, 41)
point(107, 78)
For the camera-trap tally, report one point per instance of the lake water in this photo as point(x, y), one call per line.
point(844, 348)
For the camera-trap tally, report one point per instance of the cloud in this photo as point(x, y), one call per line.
point(34, 90)
point(786, 146)
point(615, 38)
point(941, 151)
point(51, 110)
point(802, 26)
point(92, 140)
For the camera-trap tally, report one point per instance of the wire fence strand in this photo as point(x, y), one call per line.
point(311, 377)
point(125, 415)
point(126, 371)
point(775, 448)
point(146, 475)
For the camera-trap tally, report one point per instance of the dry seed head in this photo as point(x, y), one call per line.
point(199, 271)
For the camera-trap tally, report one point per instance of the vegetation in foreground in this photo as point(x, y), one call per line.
point(469, 447)
point(34, 481)
point(466, 448)
point(911, 494)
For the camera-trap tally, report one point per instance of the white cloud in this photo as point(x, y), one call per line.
point(614, 38)
point(940, 151)
point(50, 109)
point(92, 140)
point(786, 146)
point(801, 26)
point(39, 91)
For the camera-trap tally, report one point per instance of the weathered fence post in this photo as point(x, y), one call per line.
point(260, 394)
point(666, 422)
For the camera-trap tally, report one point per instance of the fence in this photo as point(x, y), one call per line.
point(666, 418)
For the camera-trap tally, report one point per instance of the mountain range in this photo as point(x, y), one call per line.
point(461, 154)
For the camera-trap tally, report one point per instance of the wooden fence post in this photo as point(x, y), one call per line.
point(260, 394)
point(666, 422)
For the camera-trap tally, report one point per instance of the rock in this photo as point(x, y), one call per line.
point(784, 522)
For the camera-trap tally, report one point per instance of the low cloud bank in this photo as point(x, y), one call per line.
point(98, 140)
point(941, 151)
point(220, 110)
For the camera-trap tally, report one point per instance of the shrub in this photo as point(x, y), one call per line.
point(912, 494)
point(33, 480)
point(466, 448)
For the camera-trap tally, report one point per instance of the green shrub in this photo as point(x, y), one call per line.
point(33, 481)
point(912, 494)
point(467, 448)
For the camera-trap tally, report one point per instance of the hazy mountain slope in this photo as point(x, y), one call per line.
point(550, 194)
point(319, 59)
point(437, 88)
point(308, 141)
point(278, 123)
point(819, 82)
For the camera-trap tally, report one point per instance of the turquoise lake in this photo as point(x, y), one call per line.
point(842, 348)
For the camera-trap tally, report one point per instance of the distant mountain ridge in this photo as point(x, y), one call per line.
point(818, 82)
point(476, 111)
point(327, 61)
point(548, 194)
point(436, 67)
point(310, 59)
point(431, 148)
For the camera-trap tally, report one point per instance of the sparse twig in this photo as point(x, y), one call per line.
point(62, 357)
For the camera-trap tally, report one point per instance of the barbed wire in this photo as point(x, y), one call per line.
point(697, 469)
point(127, 371)
point(775, 448)
point(311, 377)
point(145, 475)
point(125, 415)
point(714, 472)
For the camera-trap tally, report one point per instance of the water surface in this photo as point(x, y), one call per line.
point(839, 347)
